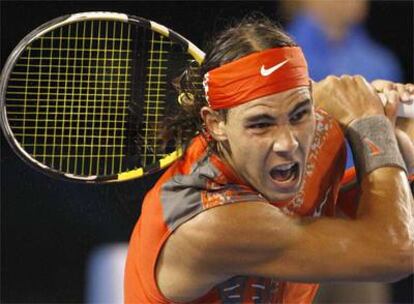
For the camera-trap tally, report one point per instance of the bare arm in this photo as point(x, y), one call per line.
point(258, 239)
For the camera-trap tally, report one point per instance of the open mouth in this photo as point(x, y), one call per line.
point(285, 173)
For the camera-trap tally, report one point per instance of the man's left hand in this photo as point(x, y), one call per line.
point(396, 93)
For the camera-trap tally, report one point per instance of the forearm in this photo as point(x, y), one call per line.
point(386, 205)
point(353, 250)
point(329, 250)
point(386, 202)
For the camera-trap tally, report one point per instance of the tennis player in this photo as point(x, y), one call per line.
point(247, 215)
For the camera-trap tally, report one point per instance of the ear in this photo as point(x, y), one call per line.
point(215, 124)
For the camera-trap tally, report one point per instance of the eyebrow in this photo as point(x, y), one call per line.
point(268, 117)
point(299, 105)
point(260, 117)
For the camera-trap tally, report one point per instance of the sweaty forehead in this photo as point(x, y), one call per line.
point(278, 103)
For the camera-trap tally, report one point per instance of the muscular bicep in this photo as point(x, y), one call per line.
point(255, 238)
point(258, 239)
point(218, 244)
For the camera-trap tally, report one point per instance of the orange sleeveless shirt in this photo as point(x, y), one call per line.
point(199, 181)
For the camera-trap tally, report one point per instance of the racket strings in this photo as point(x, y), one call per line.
point(67, 98)
point(70, 97)
point(154, 103)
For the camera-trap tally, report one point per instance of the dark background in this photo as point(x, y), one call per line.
point(49, 227)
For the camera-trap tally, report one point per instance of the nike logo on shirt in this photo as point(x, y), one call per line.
point(266, 72)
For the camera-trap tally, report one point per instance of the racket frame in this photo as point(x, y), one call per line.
point(191, 49)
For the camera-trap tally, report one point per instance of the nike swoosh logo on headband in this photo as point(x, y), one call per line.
point(266, 72)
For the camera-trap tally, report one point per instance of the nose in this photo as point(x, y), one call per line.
point(285, 142)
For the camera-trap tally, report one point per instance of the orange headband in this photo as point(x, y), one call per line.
point(256, 75)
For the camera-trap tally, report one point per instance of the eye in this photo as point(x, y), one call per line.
point(260, 125)
point(299, 116)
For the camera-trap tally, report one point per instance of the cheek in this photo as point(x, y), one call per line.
point(305, 135)
point(240, 145)
point(245, 148)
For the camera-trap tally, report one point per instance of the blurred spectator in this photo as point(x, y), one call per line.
point(335, 40)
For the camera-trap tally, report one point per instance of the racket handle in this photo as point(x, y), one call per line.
point(404, 110)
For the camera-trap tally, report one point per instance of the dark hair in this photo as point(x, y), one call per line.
point(253, 33)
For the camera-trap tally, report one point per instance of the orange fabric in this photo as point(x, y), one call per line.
point(149, 235)
point(298, 293)
point(348, 195)
point(256, 75)
point(317, 197)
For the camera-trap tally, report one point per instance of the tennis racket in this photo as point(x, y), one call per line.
point(83, 96)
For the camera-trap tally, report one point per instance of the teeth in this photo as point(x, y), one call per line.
point(285, 167)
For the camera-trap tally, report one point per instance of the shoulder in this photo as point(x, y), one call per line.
point(215, 243)
point(195, 183)
point(213, 238)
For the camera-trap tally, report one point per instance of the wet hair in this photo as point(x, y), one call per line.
point(252, 34)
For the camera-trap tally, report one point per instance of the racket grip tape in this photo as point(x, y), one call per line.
point(404, 110)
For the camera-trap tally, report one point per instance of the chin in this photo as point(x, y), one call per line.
point(276, 196)
point(284, 190)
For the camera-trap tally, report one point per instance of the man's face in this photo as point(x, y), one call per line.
point(268, 140)
point(338, 12)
